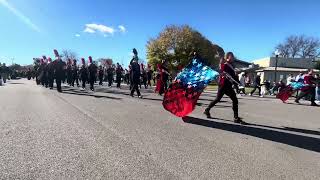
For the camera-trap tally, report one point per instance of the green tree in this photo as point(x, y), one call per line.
point(176, 44)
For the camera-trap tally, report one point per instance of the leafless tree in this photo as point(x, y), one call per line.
point(68, 54)
point(299, 46)
point(311, 48)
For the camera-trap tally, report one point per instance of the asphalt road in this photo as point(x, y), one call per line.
point(109, 135)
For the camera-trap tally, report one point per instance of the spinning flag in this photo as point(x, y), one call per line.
point(288, 91)
point(183, 94)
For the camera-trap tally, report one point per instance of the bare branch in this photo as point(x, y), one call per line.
point(300, 46)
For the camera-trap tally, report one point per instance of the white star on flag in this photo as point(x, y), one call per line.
point(197, 74)
point(194, 61)
point(205, 68)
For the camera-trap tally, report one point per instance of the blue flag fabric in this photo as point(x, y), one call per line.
point(182, 96)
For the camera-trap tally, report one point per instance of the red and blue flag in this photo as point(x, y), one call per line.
point(183, 94)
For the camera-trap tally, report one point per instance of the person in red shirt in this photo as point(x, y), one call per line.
point(309, 89)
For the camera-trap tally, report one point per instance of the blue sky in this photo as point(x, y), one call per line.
point(249, 28)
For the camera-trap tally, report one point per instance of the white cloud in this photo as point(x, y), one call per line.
point(92, 28)
point(122, 29)
point(21, 16)
point(89, 30)
point(77, 35)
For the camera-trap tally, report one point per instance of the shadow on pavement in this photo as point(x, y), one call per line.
point(301, 104)
point(83, 93)
point(300, 141)
point(15, 83)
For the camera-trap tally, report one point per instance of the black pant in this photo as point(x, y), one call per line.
point(37, 80)
point(243, 90)
point(226, 90)
point(58, 82)
point(163, 88)
point(100, 80)
point(84, 82)
point(255, 88)
point(44, 81)
point(91, 81)
point(311, 91)
point(75, 79)
point(135, 87)
point(145, 84)
point(118, 83)
point(50, 81)
point(149, 82)
point(110, 79)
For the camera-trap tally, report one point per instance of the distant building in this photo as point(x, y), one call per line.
point(285, 66)
point(303, 63)
point(239, 64)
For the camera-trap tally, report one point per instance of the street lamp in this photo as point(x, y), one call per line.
point(277, 53)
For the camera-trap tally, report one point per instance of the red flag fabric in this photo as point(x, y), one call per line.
point(182, 96)
point(285, 94)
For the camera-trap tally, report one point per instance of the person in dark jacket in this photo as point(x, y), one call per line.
point(83, 72)
point(110, 72)
point(36, 70)
point(101, 75)
point(144, 77)
point(42, 72)
point(227, 79)
point(257, 85)
point(92, 70)
point(59, 72)
point(119, 71)
point(50, 73)
point(69, 72)
point(29, 73)
point(44, 80)
point(5, 72)
point(135, 74)
point(149, 75)
point(74, 73)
